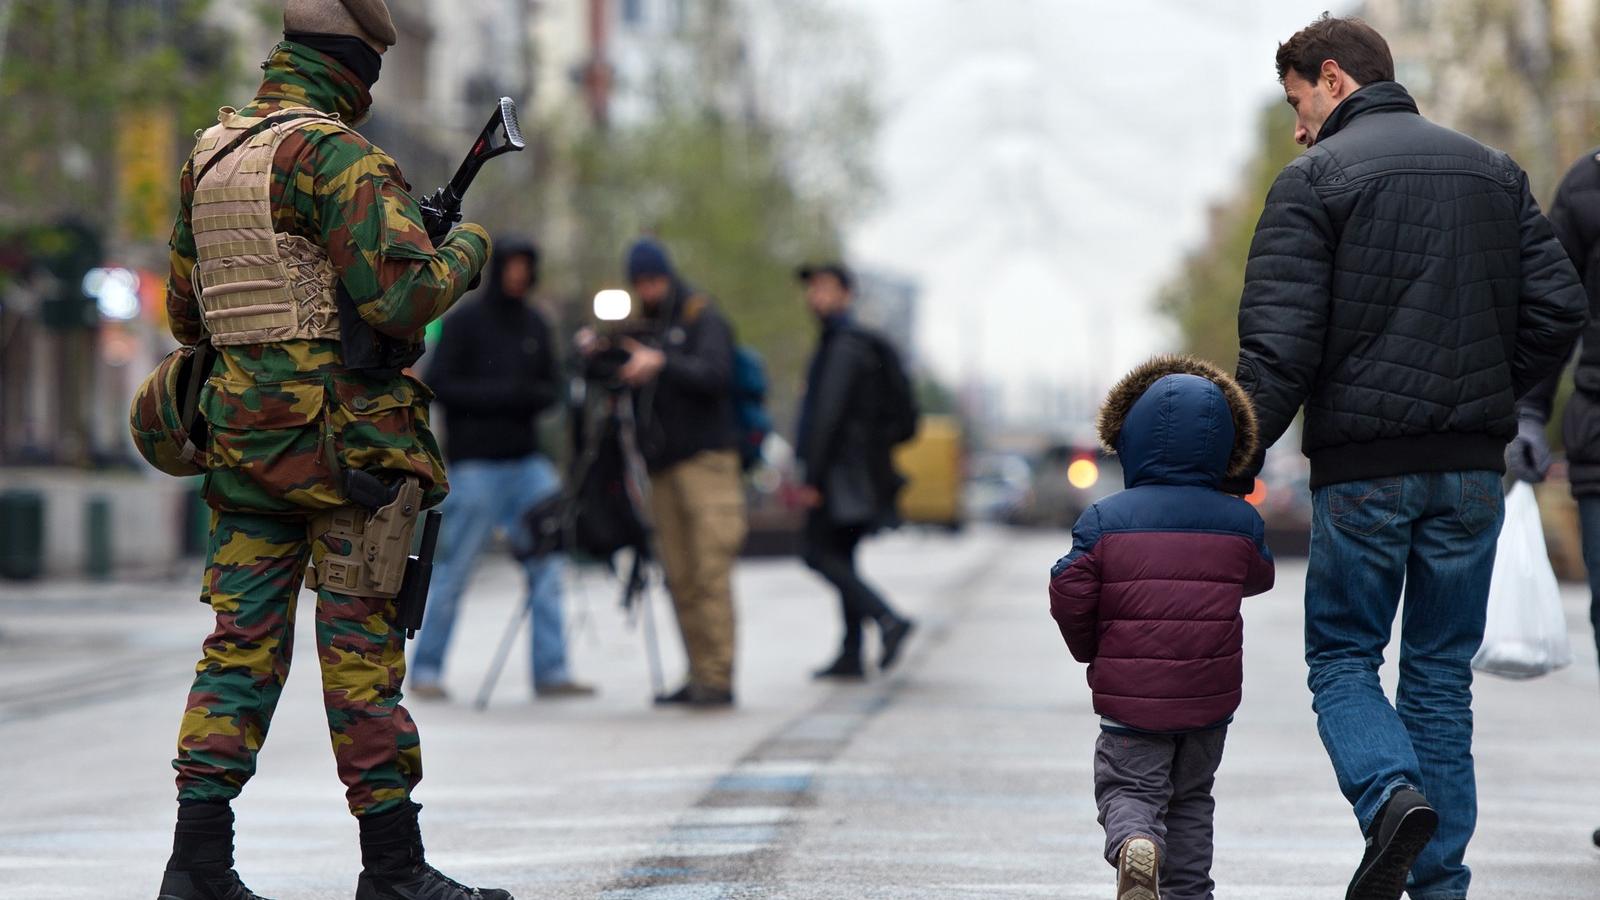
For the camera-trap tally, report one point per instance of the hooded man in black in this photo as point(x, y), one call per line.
point(495, 372)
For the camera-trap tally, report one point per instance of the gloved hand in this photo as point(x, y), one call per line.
point(1528, 454)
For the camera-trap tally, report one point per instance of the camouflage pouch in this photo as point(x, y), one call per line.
point(268, 447)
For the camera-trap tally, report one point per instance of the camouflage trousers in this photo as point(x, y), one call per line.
point(254, 571)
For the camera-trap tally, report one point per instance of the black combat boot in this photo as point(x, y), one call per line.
point(392, 867)
point(201, 867)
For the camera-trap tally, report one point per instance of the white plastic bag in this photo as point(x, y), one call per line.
point(1525, 634)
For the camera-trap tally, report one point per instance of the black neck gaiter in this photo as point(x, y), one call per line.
point(349, 51)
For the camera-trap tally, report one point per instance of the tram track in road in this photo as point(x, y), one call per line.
point(732, 842)
point(112, 678)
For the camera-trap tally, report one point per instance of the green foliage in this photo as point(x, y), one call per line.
point(1511, 74)
point(68, 71)
point(1204, 297)
point(720, 185)
point(716, 195)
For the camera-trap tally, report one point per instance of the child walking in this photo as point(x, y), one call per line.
point(1149, 597)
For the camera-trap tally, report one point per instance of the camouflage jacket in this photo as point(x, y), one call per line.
point(286, 418)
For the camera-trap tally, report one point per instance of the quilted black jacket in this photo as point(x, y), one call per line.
point(1575, 215)
point(1404, 288)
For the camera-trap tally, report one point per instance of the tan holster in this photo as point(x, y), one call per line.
point(364, 552)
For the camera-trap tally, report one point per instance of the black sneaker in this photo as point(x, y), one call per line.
point(894, 633)
point(847, 667)
point(1402, 829)
point(710, 698)
point(682, 696)
point(1597, 837)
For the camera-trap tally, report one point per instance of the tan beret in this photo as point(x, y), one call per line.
point(367, 19)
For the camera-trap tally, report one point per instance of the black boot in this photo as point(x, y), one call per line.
point(847, 667)
point(1402, 829)
point(894, 632)
point(201, 867)
point(392, 867)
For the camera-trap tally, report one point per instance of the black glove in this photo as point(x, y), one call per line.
point(1528, 454)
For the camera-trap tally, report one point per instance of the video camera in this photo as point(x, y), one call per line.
point(614, 324)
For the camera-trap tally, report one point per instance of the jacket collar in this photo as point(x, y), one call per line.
point(1379, 97)
point(297, 75)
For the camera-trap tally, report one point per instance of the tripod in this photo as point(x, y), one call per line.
point(615, 407)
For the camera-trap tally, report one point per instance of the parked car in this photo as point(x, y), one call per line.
point(997, 486)
point(772, 499)
point(1068, 478)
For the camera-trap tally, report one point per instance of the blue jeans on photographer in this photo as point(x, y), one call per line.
point(1432, 536)
point(485, 495)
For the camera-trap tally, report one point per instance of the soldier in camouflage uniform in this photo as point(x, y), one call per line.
point(293, 239)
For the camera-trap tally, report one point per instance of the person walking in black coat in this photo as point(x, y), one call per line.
point(850, 483)
point(1575, 215)
point(1404, 288)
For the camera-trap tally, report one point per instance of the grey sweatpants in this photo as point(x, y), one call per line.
point(1159, 786)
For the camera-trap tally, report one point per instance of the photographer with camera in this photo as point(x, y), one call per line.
point(495, 371)
point(679, 364)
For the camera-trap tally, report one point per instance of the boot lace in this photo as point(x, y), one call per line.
point(443, 887)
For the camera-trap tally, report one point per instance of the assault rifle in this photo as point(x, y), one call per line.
point(441, 211)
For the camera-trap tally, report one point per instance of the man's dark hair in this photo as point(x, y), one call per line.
point(1357, 47)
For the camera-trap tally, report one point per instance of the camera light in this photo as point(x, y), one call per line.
point(612, 305)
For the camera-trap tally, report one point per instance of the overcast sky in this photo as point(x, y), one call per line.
point(1046, 164)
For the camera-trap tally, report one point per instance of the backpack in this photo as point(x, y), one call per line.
point(750, 415)
point(898, 408)
point(750, 404)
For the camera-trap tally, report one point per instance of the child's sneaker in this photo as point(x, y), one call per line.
point(1137, 868)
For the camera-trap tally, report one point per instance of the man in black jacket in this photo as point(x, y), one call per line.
point(1575, 215)
point(495, 371)
point(683, 377)
point(850, 482)
point(1404, 288)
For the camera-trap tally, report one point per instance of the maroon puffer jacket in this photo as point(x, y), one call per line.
point(1150, 594)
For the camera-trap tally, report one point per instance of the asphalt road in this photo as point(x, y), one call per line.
point(964, 774)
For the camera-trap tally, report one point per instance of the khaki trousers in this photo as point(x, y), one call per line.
point(700, 525)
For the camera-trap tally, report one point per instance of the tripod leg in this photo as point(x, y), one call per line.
point(652, 646)
point(524, 610)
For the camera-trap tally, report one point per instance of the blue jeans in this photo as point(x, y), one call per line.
point(1589, 517)
point(485, 495)
point(1433, 536)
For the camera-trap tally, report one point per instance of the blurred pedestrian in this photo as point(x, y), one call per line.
point(1149, 597)
point(495, 371)
point(857, 407)
point(683, 376)
point(1405, 289)
point(1575, 216)
point(319, 449)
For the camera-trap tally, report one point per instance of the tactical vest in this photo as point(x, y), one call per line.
point(256, 285)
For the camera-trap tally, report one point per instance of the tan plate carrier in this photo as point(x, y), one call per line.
point(256, 285)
